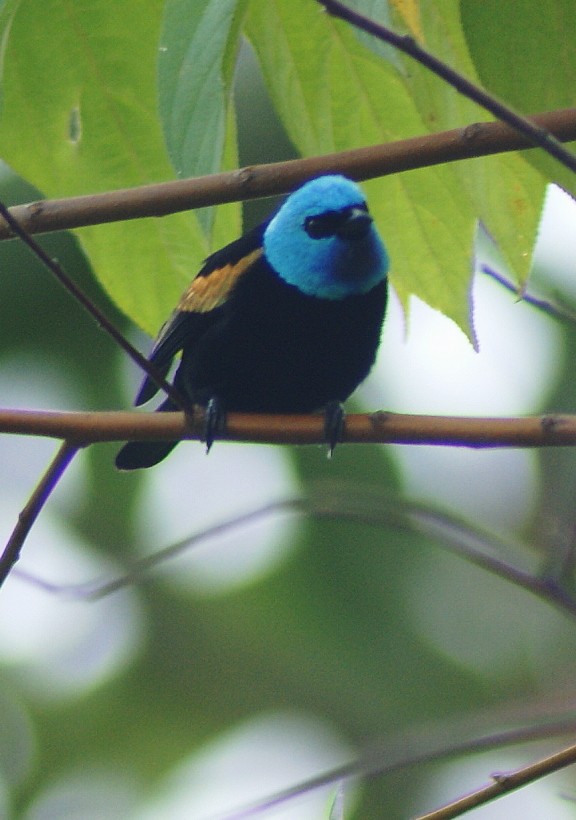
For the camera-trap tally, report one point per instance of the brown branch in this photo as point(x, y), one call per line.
point(504, 783)
point(387, 760)
point(33, 507)
point(536, 134)
point(380, 427)
point(475, 140)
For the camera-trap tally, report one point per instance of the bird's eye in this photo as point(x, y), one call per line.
point(323, 225)
point(329, 223)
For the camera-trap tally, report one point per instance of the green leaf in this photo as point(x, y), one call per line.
point(195, 72)
point(79, 115)
point(521, 50)
point(505, 191)
point(194, 75)
point(334, 94)
point(525, 54)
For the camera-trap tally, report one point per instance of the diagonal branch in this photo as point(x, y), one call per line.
point(475, 140)
point(504, 783)
point(535, 134)
point(387, 760)
point(33, 507)
point(102, 320)
point(557, 310)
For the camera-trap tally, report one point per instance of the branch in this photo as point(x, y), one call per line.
point(475, 140)
point(459, 538)
point(384, 761)
point(380, 427)
point(139, 570)
point(32, 509)
point(455, 537)
point(387, 760)
point(504, 783)
point(553, 309)
point(102, 320)
point(535, 134)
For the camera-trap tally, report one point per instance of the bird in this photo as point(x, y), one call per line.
point(285, 319)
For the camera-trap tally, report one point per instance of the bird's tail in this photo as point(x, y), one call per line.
point(138, 454)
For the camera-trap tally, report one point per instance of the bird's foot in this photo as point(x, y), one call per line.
point(333, 425)
point(214, 421)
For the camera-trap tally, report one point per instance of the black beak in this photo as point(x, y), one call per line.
point(356, 224)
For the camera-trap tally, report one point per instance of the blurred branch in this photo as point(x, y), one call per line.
point(377, 510)
point(479, 547)
point(30, 513)
point(475, 140)
point(504, 783)
point(380, 427)
point(554, 309)
point(359, 506)
point(138, 571)
point(387, 760)
point(536, 134)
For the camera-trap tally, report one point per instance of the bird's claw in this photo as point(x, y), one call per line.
point(214, 422)
point(333, 425)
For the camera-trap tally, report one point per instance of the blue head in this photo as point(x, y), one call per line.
point(323, 240)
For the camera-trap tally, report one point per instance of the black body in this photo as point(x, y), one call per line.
point(267, 348)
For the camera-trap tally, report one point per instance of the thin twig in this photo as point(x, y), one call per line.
point(557, 311)
point(139, 570)
point(387, 760)
point(453, 535)
point(475, 140)
point(535, 134)
point(504, 783)
point(30, 513)
point(102, 320)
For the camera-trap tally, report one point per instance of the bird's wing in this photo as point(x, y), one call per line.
point(210, 290)
point(198, 306)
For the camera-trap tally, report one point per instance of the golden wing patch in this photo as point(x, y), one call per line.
point(209, 292)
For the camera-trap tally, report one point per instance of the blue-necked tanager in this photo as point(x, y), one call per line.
point(286, 319)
